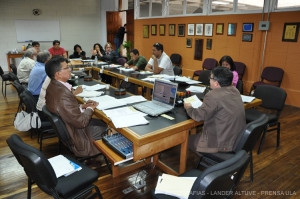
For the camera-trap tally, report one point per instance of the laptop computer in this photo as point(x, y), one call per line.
point(163, 98)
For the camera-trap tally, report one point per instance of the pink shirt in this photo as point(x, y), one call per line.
point(60, 51)
point(235, 78)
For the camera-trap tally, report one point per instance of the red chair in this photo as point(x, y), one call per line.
point(271, 74)
point(208, 64)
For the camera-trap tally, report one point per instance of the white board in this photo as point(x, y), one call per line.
point(37, 30)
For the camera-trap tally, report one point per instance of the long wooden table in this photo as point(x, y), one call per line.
point(12, 56)
point(149, 140)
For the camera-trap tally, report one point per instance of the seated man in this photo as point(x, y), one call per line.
point(83, 130)
point(36, 45)
point(38, 75)
point(223, 114)
point(26, 66)
point(138, 62)
point(160, 62)
point(57, 50)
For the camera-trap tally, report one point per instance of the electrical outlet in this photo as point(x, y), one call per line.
point(264, 25)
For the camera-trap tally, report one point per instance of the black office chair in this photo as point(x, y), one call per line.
point(208, 64)
point(6, 79)
point(28, 104)
point(63, 135)
point(273, 98)
point(13, 68)
point(176, 60)
point(19, 89)
point(39, 171)
point(177, 70)
point(224, 176)
point(204, 77)
point(246, 141)
point(240, 86)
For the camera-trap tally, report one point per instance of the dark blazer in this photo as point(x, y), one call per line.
point(61, 101)
point(112, 57)
point(223, 114)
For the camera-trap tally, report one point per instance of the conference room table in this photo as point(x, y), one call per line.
point(149, 140)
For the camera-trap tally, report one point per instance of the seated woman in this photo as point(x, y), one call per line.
point(78, 52)
point(97, 51)
point(227, 62)
point(109, 55)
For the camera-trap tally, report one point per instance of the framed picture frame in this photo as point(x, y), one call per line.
point(248, 27)
point(191, 29)
point(208, 44)
point(208, 30)
point(146, 31)
point(219, 28)
point(188, 42)
point(181, 30)
point(231, 29)
point(247, 37)
point(172, 29)
point(199, 29)
point(162, 29)
point(290, 32)
point(153, 29)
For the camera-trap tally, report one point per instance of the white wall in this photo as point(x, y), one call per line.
point(80, 22)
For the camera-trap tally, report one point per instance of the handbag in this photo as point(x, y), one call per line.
point(25, 121)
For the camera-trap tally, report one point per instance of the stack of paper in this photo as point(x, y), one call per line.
point(194, 100)
point(106, 102)
point(126, 69)
point(93, 88)
point(126, 117)
point(196, 89)
point(174, 186)
point(247, 99)
point(90, 93)
point(62, 166)
point(133, 99)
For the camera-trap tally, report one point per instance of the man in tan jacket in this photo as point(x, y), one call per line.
point(222, 112)
point(83, 130)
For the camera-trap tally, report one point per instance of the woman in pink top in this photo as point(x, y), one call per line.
point(226, 61)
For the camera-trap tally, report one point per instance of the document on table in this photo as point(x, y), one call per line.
point(126, 117)
point(196, 89)
point(133, 99)
point(62, 166)
point(91, 88)
point(174, 186)
point(126, 69)
point(247, 99)
point(90, 93)
point(106, 102)
point(194, 100)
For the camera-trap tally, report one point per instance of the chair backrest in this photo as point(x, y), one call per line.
point(250, 134)
point(240, 86)
point(18, 87)
point(209, 63)
point(204, 77)
point(240, 69)
point(223, 176)
point(272, 97)
point(13, 77)
point(177, 70)
point(28, 100)
point(1, 71)
point(13, 68)
point(121, 61)
point(272, 74)
point(35, 164)
point(59, 127)
point(176, 59)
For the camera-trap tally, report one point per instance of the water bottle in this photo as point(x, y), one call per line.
point(96, 60)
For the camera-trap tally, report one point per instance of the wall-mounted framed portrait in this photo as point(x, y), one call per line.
point(172, 29)
point(191, 29)
point(290, 32)
point(208, 44)
point(248, 27)
point(231, 29)
point(188, 42)
point(208, 30)
point(146, 31)
point(247, 37)
point(162, 29)
point(181, 30)
point(219, 29)
point(153, 29)
point(199, 29)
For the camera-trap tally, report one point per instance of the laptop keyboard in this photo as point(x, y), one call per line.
point(152, 108)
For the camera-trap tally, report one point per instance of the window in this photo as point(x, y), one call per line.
point(221, 5)
point(157, 8)
point(287, 4)
point(130, 4)
point(194, 6)
point(247, 5)
point(144, 8)
point(176, 7)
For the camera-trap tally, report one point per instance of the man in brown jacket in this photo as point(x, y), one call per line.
point(222, 112)
point(83, 130)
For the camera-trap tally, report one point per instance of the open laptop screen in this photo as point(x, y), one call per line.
point(164, 92)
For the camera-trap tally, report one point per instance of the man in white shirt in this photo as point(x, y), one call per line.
point(26, 66)
point(160, 62)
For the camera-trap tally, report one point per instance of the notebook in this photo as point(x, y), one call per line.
point(163, 98)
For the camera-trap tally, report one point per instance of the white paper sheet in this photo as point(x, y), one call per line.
point(133, 99)
point(62, 166)
point(128, 120)
point(196, 89)
point(194, 100)
point(126, 69)
point(106, 102)
point(247, 99)
point(90, 93)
